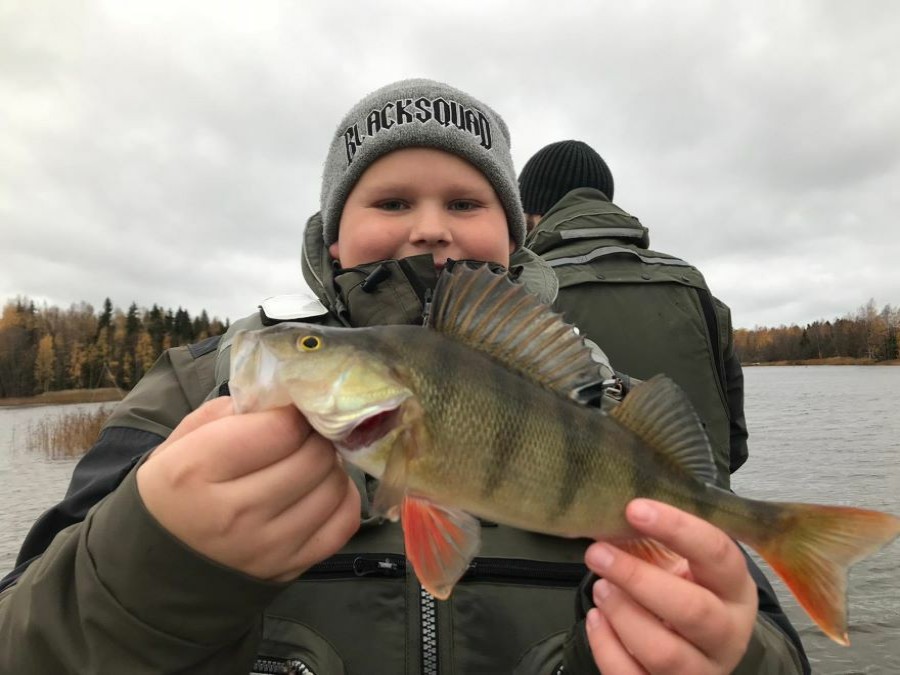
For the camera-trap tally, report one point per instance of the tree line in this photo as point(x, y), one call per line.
point(866, 334)
point(50, 349)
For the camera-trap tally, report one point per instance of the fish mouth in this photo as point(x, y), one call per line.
point(371, 429)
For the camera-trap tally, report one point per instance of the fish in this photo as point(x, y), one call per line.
point(483, 412)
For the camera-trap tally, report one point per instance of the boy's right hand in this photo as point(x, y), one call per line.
point(261, 492)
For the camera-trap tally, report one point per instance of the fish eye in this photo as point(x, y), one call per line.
point(309, 343)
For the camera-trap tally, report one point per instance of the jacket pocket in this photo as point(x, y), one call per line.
point(512, 615)
point(292, 648)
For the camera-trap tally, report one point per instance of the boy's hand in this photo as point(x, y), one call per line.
point(261, 492)
point(694, 621)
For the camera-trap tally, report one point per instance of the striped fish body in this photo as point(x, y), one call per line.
point(502, 448)
point(482, 413)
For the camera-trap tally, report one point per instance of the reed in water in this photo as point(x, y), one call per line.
point(69, 435)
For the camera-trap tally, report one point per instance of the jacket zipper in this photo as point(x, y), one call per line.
point(428, 622)
point(495, 569)
point(345, 564)
point(549, 573)
point(272, 665)
point(480, 569)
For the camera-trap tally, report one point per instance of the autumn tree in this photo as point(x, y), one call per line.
point(865, 334)
point(45, 348)
point(18, 348)
point(44, 364)
point(145, 354)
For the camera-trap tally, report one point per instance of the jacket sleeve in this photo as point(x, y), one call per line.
point(117, 593)
point(738, 434)
point(733, 377)
point(774, 647)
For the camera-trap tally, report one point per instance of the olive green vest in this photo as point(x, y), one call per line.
point(649, 312)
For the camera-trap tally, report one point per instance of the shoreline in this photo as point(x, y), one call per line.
point(107, 394)
point(65, 397)
point(831, 361)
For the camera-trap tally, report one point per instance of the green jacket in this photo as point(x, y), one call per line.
point(650, 312)
point(100, 587)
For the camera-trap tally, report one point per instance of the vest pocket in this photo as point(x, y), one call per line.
point(349, 613)
point(292, 648)
point(512, 615)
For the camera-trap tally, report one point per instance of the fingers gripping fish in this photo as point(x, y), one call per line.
point(482, 413)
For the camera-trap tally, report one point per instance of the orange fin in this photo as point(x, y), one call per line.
point(651, 551)
point(813, 551)
point(440, 543)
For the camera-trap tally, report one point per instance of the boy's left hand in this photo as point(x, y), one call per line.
point(695, 621)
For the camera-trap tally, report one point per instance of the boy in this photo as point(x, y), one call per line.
point(242, 544)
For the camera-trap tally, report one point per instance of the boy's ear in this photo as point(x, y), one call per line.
point(512, 246)
point(335, 251)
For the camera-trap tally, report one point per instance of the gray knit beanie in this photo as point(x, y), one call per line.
point(419, 113)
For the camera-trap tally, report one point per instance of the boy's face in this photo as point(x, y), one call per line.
point(422, 200)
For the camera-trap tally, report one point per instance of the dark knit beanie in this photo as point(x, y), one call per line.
point(559, 168)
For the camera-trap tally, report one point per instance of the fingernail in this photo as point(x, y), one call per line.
point(593, 618)
point(601, 589)
point(642, 512)
point(600, 557)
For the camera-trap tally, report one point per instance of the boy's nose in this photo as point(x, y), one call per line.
point(431, 227)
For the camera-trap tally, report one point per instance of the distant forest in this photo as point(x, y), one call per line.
point(49, 349)
point(868, 334)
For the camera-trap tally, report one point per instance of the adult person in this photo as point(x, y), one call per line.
point(196, 540)
point(650, 312)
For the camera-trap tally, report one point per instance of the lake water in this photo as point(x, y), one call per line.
point(831, 434)
point(30, 482)
point(819, 434)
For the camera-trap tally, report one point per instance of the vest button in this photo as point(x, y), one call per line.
point(645, 276)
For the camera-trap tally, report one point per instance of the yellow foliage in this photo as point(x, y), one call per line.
point(43, 364)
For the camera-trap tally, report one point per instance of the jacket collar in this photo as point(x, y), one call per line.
point(339, 290)
point(586, 213)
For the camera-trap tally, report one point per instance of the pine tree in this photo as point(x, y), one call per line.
point(183, 330)
point(105, 318)
point(156, 327)
point(200, 326)
point(129, 356)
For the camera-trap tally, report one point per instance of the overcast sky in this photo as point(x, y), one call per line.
point(170, 152)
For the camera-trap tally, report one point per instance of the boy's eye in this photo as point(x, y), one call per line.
point(391, 205)
point(463, 205)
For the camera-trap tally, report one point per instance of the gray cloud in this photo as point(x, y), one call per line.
point(170, 153)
